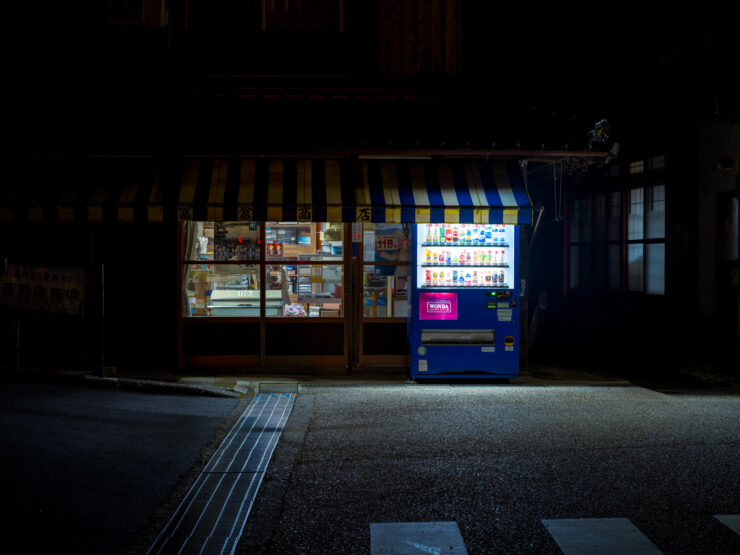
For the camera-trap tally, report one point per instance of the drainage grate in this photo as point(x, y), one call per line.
point(211, 517)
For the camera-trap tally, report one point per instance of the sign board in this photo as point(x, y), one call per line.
point(391, 243)
point(53, 289)
point(437, 306)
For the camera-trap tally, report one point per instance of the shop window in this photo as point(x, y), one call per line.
point(221, 290)
point(222, 265)
point(303, 241)
point(385, 272)
point(304, 290)
point(220, 271)
point(299, 286)
point(221, 241)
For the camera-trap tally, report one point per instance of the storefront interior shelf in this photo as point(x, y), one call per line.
point(492, 265)
point(319, 300)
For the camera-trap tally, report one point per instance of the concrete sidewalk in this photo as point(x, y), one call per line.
point(221, 384)
point(252, 383)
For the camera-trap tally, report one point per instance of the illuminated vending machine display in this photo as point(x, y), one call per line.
point(465, 320)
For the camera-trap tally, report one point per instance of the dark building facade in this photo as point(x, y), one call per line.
point(119, 98)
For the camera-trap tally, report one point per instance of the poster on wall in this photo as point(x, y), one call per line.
point(391, 244)
point(52, 289)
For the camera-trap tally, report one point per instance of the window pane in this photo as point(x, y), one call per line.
point(656, 213)
point(221, 290)
point(303, 241)
point(732, 223)
point(655, 268)
point(599, 256)
point(637, 167)
point(585, 220)
point(600, 221)
point(305, 290)
point(220, 241)
point(615, 215)
point(615, 268)
point(385, 242)
point(385, 291)
point(634, 267)
point(635, 217)
point(615, 171)
point(575, 223)
point(584, 271)
point(574, 265)
point(656, 163)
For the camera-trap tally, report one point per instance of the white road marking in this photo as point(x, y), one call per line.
point(425, 548)
point(411, 538)
point(731, 521)
point(602, 536)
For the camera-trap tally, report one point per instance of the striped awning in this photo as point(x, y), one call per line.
point(233, 189)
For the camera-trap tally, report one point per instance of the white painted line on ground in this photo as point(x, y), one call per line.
point(599, 536)
point(731, 521)
point(414, 538)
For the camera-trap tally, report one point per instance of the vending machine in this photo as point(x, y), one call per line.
point(464, 304)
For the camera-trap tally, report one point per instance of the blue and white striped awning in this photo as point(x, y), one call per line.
point(468, 191)
point(286, 189)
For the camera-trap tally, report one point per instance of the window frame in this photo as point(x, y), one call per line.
point(648, 190)
point(593, 270)
point(263, 263)
point(364, 263)
point(593, 250)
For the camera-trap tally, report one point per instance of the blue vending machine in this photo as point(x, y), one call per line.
point(464, 320)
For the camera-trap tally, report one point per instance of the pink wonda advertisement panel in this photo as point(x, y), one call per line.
point(437, 306)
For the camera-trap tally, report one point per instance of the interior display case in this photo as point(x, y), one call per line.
point(221, 290)
point(308, 281)
point(465, 255)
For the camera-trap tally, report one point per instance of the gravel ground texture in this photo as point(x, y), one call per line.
point(497, 460)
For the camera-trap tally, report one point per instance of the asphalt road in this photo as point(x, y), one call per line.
point(497, 460)
point(85, 470)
